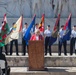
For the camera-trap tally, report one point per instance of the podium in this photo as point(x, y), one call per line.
point(36, 55)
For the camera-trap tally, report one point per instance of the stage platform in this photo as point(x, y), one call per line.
point(49, 61)
point(54, 48)
point(51, 71)
point(56, 65)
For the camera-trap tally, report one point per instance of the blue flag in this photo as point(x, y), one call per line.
point(53, 37)
point(67, 29)
point(28, 34)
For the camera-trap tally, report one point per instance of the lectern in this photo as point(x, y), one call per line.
point(36, 55)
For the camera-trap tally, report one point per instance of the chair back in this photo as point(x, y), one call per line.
point(2, 64)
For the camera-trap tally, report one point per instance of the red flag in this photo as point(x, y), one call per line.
point(53, 37)
point(4, 18)
point(66, 24)
point(5, 28)
point(41, 24)
point(4, 31)
point(57, 23)
point(67, 29)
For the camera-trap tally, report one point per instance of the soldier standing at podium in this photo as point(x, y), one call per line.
point(47, 35)
point(24, 46)
point(61, 34)
point(73, 40)
point(15, 41)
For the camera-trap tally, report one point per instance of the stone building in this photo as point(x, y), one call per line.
point(14, 8)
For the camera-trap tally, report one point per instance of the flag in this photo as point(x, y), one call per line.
point(67, 29)
point(41, 24)
point(4, 31)
point(14, 34)
point(53, 37)
point(27, 34)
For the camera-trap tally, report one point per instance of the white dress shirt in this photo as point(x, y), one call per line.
point(47, 33)
point(61, 33)
point(24, 31)
point(73, 33)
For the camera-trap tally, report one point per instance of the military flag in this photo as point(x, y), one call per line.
point(54, 35)
point(14, 34)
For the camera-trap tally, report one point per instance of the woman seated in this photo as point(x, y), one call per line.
point(36, 35)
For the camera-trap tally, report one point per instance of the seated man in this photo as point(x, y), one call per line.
point(3, 64)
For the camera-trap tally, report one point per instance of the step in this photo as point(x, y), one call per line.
point(49, 61)
point(50, 71)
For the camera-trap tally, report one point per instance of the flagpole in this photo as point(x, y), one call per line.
point(22, 27)
point(44, 24)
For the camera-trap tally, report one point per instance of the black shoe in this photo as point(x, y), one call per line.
point(10, 54)
point(45, 53)
point(75, 52)
point(71, 54)
point(65, 54)
point(23, 54)
point(59, 54)
point(50, 54)
point(6, 54)
point(17, 54)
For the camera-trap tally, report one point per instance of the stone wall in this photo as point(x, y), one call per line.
point(51, 8)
